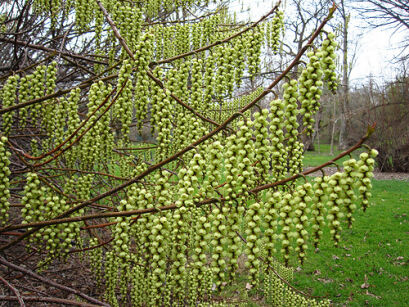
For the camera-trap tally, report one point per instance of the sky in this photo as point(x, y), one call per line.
point(375, 48)
point(375, 55)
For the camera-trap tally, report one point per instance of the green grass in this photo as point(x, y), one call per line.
point(371, 264)
point(322, 155)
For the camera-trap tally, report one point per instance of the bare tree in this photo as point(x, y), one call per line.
point(307, 17)
point(387, 13)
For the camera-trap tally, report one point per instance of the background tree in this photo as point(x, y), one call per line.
point(393, 14)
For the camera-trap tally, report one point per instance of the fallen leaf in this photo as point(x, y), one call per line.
point(325, 280)
point(365, 285)
point(373, 295)
point(317, 272)
point(298, 269)
point(335, 257)
point(400, 258)
point(248, 286)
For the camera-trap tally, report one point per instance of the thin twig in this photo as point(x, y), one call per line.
point(16, 292)
point(51, 283)
point(57, 300)
point(39, 47)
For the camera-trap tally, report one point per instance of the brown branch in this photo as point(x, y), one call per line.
point(51, 283)
point(137, 148)
point(44, 299)
point(82, 171)
point(91, 247)
point(28, 67)
point(181, 21)
point(39, 47)
point(16, 292)
point(97, 226)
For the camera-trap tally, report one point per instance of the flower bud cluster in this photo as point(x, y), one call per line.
point(161, 117)
point(365, 167)
point(37, 89)
point(271, 217)
point(262, 145)
point(239, 60)
point(238, 162)
point(225, 71)
point(4, 181)
point(196, 97)
point(219, 237)
point(278, 152)
point(255, 40)
point(318, 208)
point(123, 105)
point(285, 223)
point(302, 198)
point(96, 260)
point(274, 29)
point(335, 206)
point(209, 80)
point(33, 199)
point(213, 157)
point(254, 241)
point(294, 148)
point(128, 19)
point(348, 184)
point(328, 57)
point(84, 14)
point(73, 121)
point(8, 96)
point(310, 89)
point(97, 142)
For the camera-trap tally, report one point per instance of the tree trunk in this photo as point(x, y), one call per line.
point(344, 126)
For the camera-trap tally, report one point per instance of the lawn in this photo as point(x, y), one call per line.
point(322, 155)
point(371, 265)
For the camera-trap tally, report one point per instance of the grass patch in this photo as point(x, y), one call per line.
point(371, 264)
point(370, 267)
point(322, 155)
